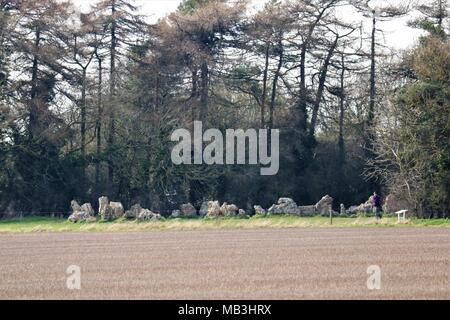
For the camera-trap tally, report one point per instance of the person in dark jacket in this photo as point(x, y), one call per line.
point(376, 204)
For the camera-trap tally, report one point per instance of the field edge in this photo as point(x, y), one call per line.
point(46, 224)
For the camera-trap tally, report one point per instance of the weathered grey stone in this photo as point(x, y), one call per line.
point(307, 210)
point(259, 211)
point(79, 216)
point(134, 211)
point(214, 209)
point(108, 214)
point(242, 213)
point(81, 213)
point(176, 213)
point(228, 209)
point(145, 215)
point(117, 209)
point(284, 206)
point(232, 209)
point(324, 206)
point(188, 210)
point(104, 209)
point(203, 209)
point(75, 206)
point(223, 208)
point(103, 203)
point(87, 207)
point(342, 209)
point(287, 201)
point(365, 207)
point(353, 209)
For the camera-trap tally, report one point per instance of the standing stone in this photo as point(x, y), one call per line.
point(232, 209)
point(307, 210)
point(259, 211)
point(103, 204)
point(214, 209)
point(79, 216)
point(108, 214)
point(148, 215)
point(342, 209)
point(75, 206)
point(223, 209)
point(105, 209)
point(368, 205)
point(203, 209)
point(176, 213)
point(117, 209)
point(228, 209)
point(324, 205)
point(285, 201)
point(145, 215)
point(284, 206)
point(353, 209)
point(188, 210)
point(134, 211)
point(87, 207)
point(365, 207)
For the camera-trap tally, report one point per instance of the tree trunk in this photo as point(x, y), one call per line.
point(98, 124)
point(83, 114)
point(321, 88)
point(301, 104)
point(302, 151)
point(274, 85)
point(204, 92)
point(264, 93)
point(302, 114)
point(441, 15)
point(112, 93)
point(34, 104)
point(341, 142)
point(371, 114)
point(341, 177)
point(194, 92)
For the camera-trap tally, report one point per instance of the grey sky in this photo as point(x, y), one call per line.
point(396, 33)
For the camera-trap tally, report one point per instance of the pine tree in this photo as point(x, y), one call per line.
point(125, 27)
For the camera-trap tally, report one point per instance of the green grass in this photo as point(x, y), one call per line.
point(43, 224)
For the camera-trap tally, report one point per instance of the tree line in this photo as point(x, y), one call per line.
point(88, 101)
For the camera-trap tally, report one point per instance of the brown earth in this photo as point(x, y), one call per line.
point(304, 263)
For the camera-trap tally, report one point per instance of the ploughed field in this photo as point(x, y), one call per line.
point(293, 263)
